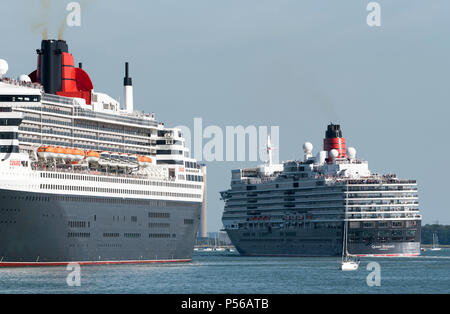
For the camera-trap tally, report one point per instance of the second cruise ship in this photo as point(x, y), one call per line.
point(299, 208)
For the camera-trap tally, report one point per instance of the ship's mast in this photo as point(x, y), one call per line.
point(344, 240)
point(269, 150)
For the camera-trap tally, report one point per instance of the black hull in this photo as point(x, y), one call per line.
point(316, 243)
point(38, 228)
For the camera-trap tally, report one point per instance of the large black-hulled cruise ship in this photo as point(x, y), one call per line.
point(85, 180)
point(298, 208)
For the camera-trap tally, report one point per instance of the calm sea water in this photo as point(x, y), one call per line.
point(229, 273)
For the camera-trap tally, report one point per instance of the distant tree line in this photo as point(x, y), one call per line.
point(442, 231)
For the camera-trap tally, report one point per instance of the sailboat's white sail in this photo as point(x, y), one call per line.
point(435, 246)
point(349, 262)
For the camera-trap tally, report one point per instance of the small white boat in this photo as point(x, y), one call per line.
point(435, 246)
point(349, 262)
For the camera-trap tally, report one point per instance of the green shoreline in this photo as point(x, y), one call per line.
point(440, 245)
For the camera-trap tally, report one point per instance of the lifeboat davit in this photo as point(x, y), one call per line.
point(141, 161)
point(92, 156)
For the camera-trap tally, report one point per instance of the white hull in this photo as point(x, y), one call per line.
point(349, 266)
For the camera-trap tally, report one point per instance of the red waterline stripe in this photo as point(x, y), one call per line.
point(360, 255)
point(28, 264)
point(388, 255)
point(287, 255)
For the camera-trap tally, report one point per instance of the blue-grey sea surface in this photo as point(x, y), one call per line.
point(233, 274)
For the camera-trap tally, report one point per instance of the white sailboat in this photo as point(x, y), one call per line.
point(349, 262)
point(435, 246)
point(217, 248)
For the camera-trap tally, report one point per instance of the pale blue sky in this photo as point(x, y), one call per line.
point(295, 64)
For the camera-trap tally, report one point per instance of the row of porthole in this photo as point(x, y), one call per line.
point(117, 191)
point(93, 178)
point(93, 199)
point(109, 245)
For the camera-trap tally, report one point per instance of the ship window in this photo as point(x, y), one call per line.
point(397, 233)
point(410, 233)
point(368, 224)
point(9, 149)
point(8, 135)
point(12, 122)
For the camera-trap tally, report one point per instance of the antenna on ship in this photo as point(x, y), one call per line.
point(269, 150)
point(128, 91)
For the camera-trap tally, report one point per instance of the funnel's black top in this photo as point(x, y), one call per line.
point(51, 64)
point(333, 131)
point(127, 79)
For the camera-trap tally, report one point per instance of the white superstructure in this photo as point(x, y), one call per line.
point(56, 144)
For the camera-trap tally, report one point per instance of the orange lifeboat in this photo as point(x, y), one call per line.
point(92, 156)
point(78, 154)
point(148, 160)
point(72, 153)
point(41, 152)
point(144, 161)
point(67, 154)
point(141, 160)
point(59, 152)
point(50, 152)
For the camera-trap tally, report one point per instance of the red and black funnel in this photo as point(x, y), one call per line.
point(334, 140)
point(56, 72)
